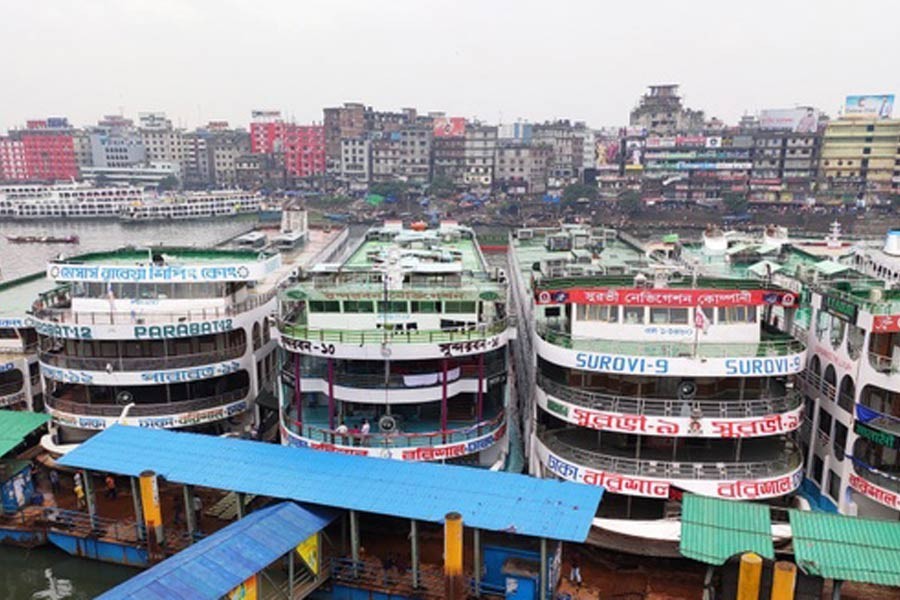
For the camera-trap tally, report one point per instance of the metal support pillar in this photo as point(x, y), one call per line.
point(241, 499)
point(354, 540)
point(414, 542)
point(189, 517)
point(138, 511)
point(836, 589)
point(454, 581)
point(331, 424)
point(476, 560)
point(543, 578)
point(749, 576)
point(291, 574)
point(88, 485)
point(298, 395)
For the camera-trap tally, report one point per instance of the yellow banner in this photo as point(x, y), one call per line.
point(308, 550)
point(245, 591)
point(150, 501)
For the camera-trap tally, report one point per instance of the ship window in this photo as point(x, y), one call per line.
point(393, 306)
point(321, 306)
point(430, 307)
point(840, 440)
point(661, 316)
point(825, 422)
point(818, 468)
point(454, 306)
point(634, 314)
point(359, 306)
point(593, 312)
point(834, 485)
point(737, 314)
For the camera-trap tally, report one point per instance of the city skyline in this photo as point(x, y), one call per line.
point(163, 56)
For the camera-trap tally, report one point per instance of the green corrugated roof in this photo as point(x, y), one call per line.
point(15, 425)
point(848, 548)
point(714, 530)
point(830, 267)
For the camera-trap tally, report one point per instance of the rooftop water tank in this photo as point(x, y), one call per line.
point(892, 242)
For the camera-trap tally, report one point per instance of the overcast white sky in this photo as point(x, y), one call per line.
point(200, 60)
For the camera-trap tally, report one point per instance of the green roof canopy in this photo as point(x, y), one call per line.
point(15, 425)
point(847, 548)
point(830, 267)
point(714, 530)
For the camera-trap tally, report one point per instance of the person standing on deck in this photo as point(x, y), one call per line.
point(111, 491)
point(79, 495)
point(364, 431)
point(54, 481)
point(198, 510)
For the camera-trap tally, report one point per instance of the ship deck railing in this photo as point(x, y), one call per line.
point(141, 363)
point(380, 336)
point(396, 380)
point(66, 315)
point(887, 480)
point(770, 344)
point(724, 406)
point(145, 410)
point(376, 439)
point(778, 457)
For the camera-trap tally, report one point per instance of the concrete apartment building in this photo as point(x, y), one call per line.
point(860, 159)
point(660, 112)
point(785, 155)
point(522, 168)
point(356, 160)
point(566, 146)
point(115, 142)
point(162, 142)
point(449, 158)
point(480, 148)
point(341, 122)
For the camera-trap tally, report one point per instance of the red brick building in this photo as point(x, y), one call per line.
point(43, 151)
point(304, 150)
point(12, 160)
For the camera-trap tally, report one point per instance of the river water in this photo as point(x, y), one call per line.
point(47, 573)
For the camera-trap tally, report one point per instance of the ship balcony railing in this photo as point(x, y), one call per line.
point(66, 315)
point(884, 364)
point(380, 336)
point(766, 460)
point(142, 363)
point(145, 410)
point(8, 389)
point(884, 422)
point(723, 407)
point(16, 345)
point(397, 380)
point(889, 480)
point(555, 333)
point(814, 385)
point(400, 439)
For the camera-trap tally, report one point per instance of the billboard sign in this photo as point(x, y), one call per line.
point(449, 127)
point(266, 114)
point(798, 120)
point(874, 106)
point(608, 153)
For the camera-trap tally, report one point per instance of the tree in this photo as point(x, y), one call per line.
point(168, 184)
point(442, 187)
point(630, 202)
point(576, 191)
point(390, 189)
point(735, 203)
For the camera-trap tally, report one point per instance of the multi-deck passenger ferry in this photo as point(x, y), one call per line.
point(132, 204)
point(651, 378)
point(400, 351)
point(164, 337)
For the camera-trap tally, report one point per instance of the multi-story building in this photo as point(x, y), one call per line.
point(860, 159)
point(518, 132)
point(267, 132)
point(116, 148)
point(197, 168)
point(400, 352)
point(785, 156)
point(480, 149)
point(567, 149)
point(260, 171)
point(522, 169)
point(644, 379)
point(304, 150)
point(162, 143)
point(157, 337)
point(81, 143)
point(355, 161)
point(660, 112)
point(12, 160)
point(696, 168)
point(342, 122)
point(48, 149)
point(403, 154)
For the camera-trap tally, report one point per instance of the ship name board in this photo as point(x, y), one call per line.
point(674, 298)
point(621, 364)
point(843, 309)
point(876, 493)
point(157, 332)
point(882, 438)
point(763, 366)
point(160, 274)
point(194, 374)
point(886, 323)
point(196, 417)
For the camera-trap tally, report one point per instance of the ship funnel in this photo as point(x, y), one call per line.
point(892, 242)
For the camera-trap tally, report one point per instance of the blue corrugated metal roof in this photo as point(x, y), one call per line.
point(221, 562)
point(423, 491)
